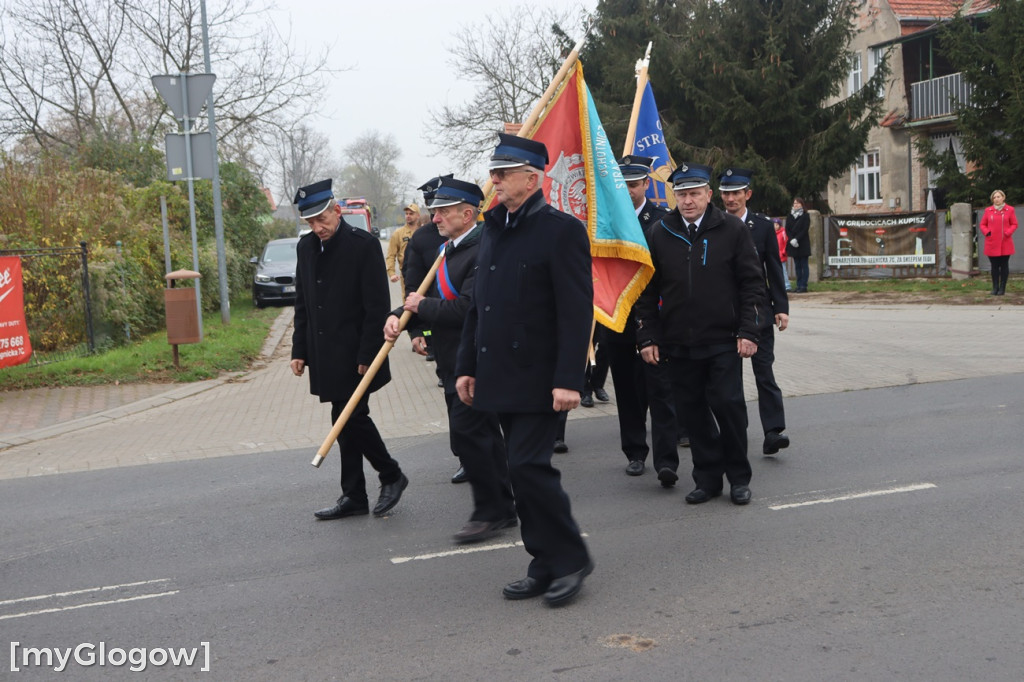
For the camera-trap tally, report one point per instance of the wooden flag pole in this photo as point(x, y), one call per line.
point(634, 115)
point(371, 372)
point(543, 102)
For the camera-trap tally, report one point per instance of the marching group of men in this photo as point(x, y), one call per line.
point(509, 317)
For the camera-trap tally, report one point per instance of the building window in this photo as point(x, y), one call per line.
point(875, 56)
point(856, 79)
point(869, 178)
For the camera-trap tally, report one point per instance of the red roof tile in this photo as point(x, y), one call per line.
point(936, 9)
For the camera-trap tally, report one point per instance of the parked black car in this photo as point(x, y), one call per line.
point(274, 281)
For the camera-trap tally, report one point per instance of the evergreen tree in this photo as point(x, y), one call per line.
point(989, 51)
point(741, 83)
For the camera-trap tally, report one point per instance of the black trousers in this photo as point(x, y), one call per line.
point(476, 440)
point(769, 396)
point(634, 395)
point(549, 532)
point(1000, 272)
point(359, 439)
point(665, 419)
point(714, 382)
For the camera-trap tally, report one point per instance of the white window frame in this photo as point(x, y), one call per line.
point(855, 81)
point(868, 174)
point(875, 56)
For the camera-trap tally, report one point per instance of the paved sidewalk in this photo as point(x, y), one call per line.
point(828, 349)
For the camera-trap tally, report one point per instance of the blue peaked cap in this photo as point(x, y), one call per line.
point(689, 175)
point(518, 151)
point(430, 186)
point(452, 191)
point(311, 200)
point(735, 178)
point(635, 167)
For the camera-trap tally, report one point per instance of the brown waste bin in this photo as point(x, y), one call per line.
point(182, 316)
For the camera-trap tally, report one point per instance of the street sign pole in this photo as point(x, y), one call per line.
point(191, 199)
point(218, 218)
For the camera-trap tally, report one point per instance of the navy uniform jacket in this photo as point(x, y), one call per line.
point(710, 293)
point(533, 304)
point(420, 255)
point(762, 230)
point(342, 299)
point(444, 318)
point(650, 214)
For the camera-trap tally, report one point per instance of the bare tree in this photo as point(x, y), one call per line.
point(373, 171)
point(510, 59)
point(68, 68)
point(301, 156)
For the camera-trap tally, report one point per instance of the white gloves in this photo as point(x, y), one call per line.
point(795, 243)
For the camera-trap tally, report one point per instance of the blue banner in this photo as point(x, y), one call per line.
point(650, 141)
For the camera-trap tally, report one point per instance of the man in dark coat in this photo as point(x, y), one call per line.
point(341, 302)
point(734, 186)
point(700, 315)
point(474, 434)
point(798, 226)
point(523, 352)
point(639, 386)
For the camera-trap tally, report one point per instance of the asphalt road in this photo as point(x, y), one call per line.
point(887, 543)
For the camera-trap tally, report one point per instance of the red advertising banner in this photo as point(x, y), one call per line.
point(15, 348)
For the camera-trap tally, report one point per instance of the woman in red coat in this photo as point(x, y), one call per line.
point(998, 225)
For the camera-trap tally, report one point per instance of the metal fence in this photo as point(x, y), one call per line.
point(56, 285)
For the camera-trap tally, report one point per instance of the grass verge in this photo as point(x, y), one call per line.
point(225, 348)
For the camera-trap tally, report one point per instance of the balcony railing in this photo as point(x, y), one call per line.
point(939, 96)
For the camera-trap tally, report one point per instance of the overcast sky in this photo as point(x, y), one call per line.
point(399, 65)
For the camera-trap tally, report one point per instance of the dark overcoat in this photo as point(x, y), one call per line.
point(342, 299)
point(528, 329)
point(444, 318)
point(798, 229)
point(762, 231)
point(420, 255)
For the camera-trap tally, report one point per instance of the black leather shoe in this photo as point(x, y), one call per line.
point(635, 467)
point(460, 476)
point(525, 589)
point(667, 477)
point(601, 395)
point(700, 496)
point(739, 494)
point(390, 494)
point(440, 383)
point(774, 441)
point(562, 590)
point(475, 531)
point(587, 400)
point(561, 447)
point(346, 506)
point(684, 441)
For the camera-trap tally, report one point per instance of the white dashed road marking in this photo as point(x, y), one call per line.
point(855, 496)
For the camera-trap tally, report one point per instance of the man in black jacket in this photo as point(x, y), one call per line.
point(700, 315)
point(475, 435)
point(734, 186)
point(523, 352)
point(341, 302)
